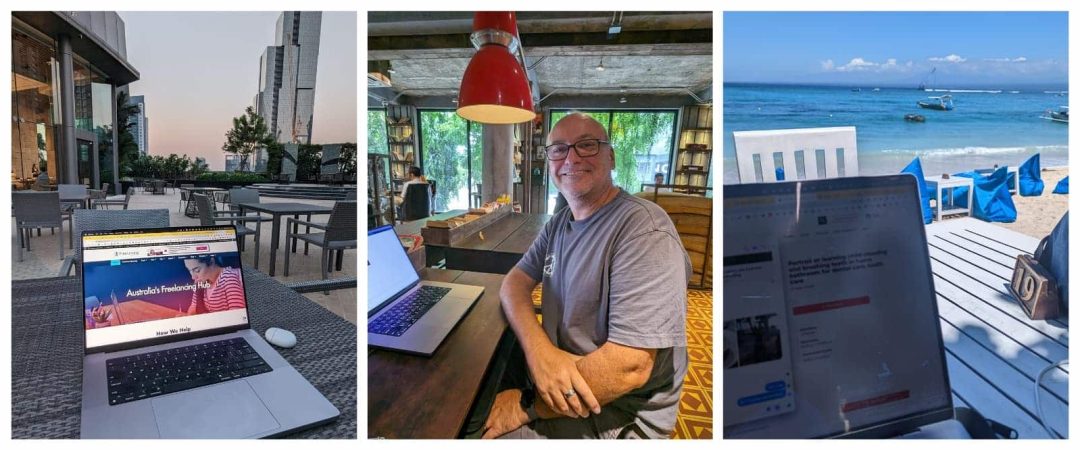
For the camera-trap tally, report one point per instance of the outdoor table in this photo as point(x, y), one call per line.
point(47, 353)
point(82, 200)
point(190, 210)
point(413, 396)
point(277, 210)
point(940, 185)
point(993, 351)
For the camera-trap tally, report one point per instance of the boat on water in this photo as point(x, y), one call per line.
point(877, 89)
point(914, 118)
point(1061, 115)
point(856, 89)
point(942, 103)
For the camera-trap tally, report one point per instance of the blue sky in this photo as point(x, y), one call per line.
point(897, 48)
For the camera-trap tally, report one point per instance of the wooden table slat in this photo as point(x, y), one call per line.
point(991, 403)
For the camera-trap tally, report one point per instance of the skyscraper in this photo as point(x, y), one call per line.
point(140, 124)
point(286, 97)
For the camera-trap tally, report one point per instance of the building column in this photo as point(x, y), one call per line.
point(69, 156)
point(498, 156)
point(115, 143)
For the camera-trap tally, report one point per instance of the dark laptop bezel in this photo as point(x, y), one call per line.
point(162, 339)
point(912, 421)
point(389, 300)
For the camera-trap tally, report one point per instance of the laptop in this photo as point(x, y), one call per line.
point(404, 313)
point(830, 318)
point(169, 349)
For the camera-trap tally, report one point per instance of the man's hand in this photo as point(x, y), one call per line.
point(555, 373)
point(506, 414)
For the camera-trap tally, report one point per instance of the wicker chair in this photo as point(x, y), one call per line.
point(210, 216)
point(98, 219)
point(339, 233)
point(37, 210)
point(121, 200)
point(184, 195)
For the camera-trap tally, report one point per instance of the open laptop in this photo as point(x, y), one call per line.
point(404, 313)
point(164, 362)
point(830, 317)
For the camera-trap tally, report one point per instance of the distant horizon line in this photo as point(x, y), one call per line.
point(984, 86)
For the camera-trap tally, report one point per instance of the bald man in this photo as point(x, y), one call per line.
point(610, 357)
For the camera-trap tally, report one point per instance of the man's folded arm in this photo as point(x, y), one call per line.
point(612, 371)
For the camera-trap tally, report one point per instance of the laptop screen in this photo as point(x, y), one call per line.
point(389, 270)
point(830, 317)
point(151, 284)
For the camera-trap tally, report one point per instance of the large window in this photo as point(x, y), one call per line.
point(33, 111)
point(643, 143)
point(376, 131)
point(451, 155)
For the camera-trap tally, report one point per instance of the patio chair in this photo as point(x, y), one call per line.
point(37, 210)
point(339, 234)
point(416, 203)
point(351, 195)
point(99, 219)
point(803, 154)
point(121, 200)
point(184, 196)
point(210, 216)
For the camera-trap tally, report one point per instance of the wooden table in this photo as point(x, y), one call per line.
point(993, 350)
point(419, 397)
point(939, 185)
point(502, 246)
point(277, 210)
point(190, 210)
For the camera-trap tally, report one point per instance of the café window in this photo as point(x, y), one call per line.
point(376, 131)
point(644, 141)
point(451, 156)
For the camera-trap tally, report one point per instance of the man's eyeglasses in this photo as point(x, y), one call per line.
point(584, 148)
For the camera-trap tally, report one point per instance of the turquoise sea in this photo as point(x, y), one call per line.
point(988, 126)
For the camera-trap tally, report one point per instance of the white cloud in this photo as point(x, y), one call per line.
point(857, 64)
point(827, 65)
point(952, 58)
point(1020, 59)
point(1007, 60)
point(863, 65)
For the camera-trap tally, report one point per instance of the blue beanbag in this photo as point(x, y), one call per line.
point(1031, 183)
point(779, 174)
point(992, 200)
point(1062, 186)
point(915, 168)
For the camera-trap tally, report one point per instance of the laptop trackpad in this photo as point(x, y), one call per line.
point(227, 410)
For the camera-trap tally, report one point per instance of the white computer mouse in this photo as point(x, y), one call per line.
point(280, 338)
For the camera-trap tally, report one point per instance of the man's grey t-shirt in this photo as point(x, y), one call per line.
point(619, 275)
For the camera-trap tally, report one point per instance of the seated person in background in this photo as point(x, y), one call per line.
point(658, 179)
point(610, 357)
point(415, 176)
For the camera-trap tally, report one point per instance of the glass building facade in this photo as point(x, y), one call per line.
point(82, 151)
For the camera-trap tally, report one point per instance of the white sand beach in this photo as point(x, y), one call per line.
point(1036, 216)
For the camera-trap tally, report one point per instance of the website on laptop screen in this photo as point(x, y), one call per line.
point(389, 269)
point(830, 324)
point(143, 285)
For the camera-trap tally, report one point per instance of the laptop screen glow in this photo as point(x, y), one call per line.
point(146, 284)
point(389, 269)
point(830, 320)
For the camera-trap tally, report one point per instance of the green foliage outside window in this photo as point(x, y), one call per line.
point(376, 131)
point(444, 146)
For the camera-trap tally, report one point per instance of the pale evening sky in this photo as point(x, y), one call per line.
point(200, 69)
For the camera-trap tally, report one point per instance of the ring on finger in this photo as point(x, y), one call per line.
point(569, 393)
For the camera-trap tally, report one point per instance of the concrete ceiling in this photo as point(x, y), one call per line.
point(655, 53)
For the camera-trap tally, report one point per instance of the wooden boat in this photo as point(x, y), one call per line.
point(942, 103)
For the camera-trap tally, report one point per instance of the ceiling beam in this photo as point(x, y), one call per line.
point(666, 42)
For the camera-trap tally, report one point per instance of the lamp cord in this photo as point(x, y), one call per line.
point(1038, 405)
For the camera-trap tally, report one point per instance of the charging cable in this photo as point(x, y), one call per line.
point(1038, 406)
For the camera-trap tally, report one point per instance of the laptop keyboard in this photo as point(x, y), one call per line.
point(148, 375)
point(409, 309)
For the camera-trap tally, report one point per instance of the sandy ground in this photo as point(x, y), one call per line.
point(1036, 216)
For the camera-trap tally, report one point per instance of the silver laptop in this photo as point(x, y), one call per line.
point(830, 317)
point(404, 313)
point(169, 350)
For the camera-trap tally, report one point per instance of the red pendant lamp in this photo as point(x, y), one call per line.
point(495, 89)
